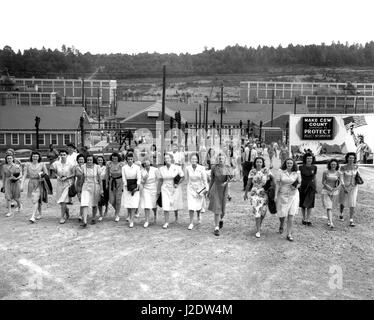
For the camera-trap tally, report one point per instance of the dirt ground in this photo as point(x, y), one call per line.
point(111, 261)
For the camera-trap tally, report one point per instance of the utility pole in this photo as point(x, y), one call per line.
point(37, 123)
point(81, 125)
point(196, 128)
point(220, 129)
point(206, 117)
point(294, 106)
point(98, 105)
point(83, 99)
point(163, 113)
point(272, 107)
point(199, 116)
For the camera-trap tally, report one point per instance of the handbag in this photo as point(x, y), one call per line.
point(159, 201)
point(72, 191)
point(132, 184)
point(295, 183)
point(2, 190)
point(177, 178)
point(358, 179)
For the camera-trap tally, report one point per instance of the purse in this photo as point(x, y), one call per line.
point(358, 179)
point(177, 178)
point(159, 201)
point(132, 184)
point(295, 183)
point(72, 191)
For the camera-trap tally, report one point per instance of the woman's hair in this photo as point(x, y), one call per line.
point(92, 156)
point(62, 151)
point(308, 154)
point(196, 155)
point(255, 160)
point(129, 155)
point(101, 158)
point(36, 152)
point(115, 154)
point(80, 156)
point(350, 154)
point(6, 158)
point(331, 161)
point(284, 164)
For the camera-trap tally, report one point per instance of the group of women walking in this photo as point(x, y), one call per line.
point(130, 186)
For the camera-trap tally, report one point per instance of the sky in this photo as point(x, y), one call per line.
point(181, 26)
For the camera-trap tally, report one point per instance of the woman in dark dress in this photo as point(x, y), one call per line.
point(218, 190)
point(308, 187)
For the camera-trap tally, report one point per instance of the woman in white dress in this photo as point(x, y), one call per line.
point(331, 183)
point(148, 195)
point(104, 200)
point(65, 172)
point(131, 177)
point(34, 171)
point(349, 190)
point(172, 197)
point(91, 189)
point(197, 188)
point(287, 194)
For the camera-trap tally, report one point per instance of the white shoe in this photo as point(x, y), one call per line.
point(32, 220)
point(190, 227)
point(165, 226)
point(131, 225)
point(146, 225)
point(9, 214)
point(258, 235)
point(38, 217)
point(100, 219)
point(116, 219)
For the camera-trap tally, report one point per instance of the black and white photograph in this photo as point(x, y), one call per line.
point(192, 152)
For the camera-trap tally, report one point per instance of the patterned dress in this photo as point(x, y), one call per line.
point(258, 197)
point(348, 199)
point(114, 178)
point(12, 187)
point(34, 187)
point(332, 179)
point(219, 189)
point(91, 186)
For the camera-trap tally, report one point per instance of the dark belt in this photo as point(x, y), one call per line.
point(113, 184)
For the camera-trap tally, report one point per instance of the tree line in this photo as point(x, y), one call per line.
point(70, 62)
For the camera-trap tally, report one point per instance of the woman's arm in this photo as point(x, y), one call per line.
point(247, 188)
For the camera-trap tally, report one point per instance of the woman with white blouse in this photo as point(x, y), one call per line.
point(91, 189)
point(349, 190)
point(287, 194)
point(197, 188)
point(34, 170)
point(65, 172)
point(148, 195)
point(331, 184)
point(104, 200)
point(131, 177)
point(171, 192)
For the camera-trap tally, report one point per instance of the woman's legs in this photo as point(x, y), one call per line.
point(155, 214)
point(281, 224)
point(329, 217)
point(289, 225)
point(351, 214)
point(85, 216)
point(9, 207)
point(63, 212)
point(176, 216)
point(191, 216)
point(303, 211)
point(130, 214)
point(341, 217)
point(308, 214)
point(146, 213)
point(166, 214)
point(94, 213)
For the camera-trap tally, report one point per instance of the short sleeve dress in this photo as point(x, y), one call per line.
point(288, 197)
point(258, 197)
point(219, 189)
point(62, 187)
point(308, 186)
point(12, 187)
point(348, 199)
point(172, 198)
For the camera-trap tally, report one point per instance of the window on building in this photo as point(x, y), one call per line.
point(28, 139)
point(2, 139)
point(53, 139)
point(15, 139)
point(41, 139)
point(66, 139)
